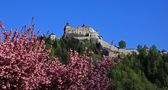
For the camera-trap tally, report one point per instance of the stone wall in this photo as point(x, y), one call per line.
point(107, 45)
point(82, 38)
point(114, 51)
point(127, 51)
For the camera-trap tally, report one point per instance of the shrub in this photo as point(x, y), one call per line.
point(122, 44)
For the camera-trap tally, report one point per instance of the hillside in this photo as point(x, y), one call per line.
point(145, 69)
point(84, 35)
point(141, 69)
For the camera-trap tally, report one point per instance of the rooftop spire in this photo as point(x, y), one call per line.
point(67, 24)
point(83, 25)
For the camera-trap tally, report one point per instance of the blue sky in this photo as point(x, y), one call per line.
point(135, 21)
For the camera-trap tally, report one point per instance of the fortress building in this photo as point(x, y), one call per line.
point(81, 33)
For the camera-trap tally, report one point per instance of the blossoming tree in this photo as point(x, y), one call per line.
point(25, 65)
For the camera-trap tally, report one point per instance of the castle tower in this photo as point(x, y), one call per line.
point(67, 26)
point(52, 36)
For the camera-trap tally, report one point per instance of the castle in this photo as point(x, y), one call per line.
point(82, 33)
point(87, 33)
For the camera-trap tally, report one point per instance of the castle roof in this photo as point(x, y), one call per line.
point(52, 34)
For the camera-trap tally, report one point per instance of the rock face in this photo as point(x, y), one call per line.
point(88, 33)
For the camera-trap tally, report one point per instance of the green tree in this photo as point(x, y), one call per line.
point(147, 70)
point(122, 44)
point(139, 47)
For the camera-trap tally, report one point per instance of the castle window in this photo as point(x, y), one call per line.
point(87, 34)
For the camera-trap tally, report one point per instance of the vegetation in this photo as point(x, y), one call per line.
point(60, 48)
point(122, 44)
point(147, 70)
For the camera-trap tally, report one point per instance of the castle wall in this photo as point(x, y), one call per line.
point(107, 45)
point(81, 31)
point(127, 51)
point(83, 38)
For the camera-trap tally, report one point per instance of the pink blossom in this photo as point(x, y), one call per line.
point(25, 64)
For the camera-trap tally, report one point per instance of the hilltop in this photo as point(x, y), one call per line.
point(87, 33)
